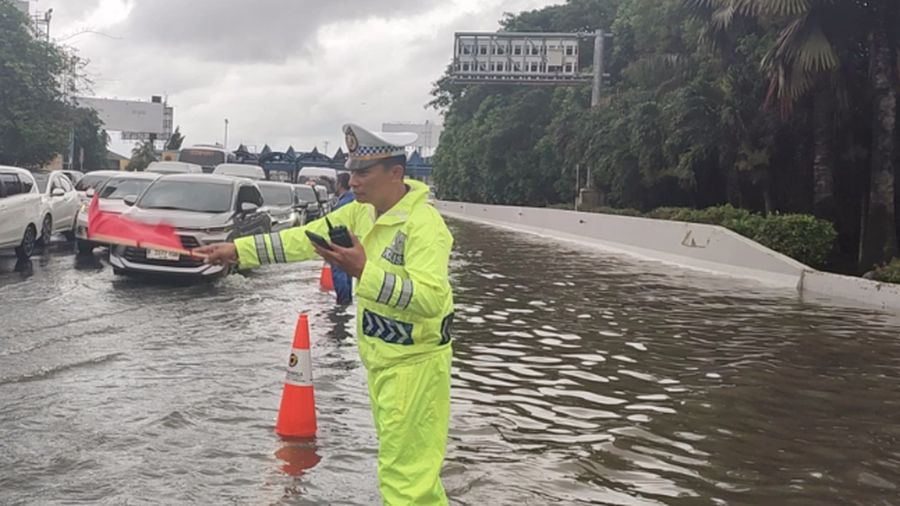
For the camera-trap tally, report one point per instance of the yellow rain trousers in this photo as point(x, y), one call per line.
point(404, 319)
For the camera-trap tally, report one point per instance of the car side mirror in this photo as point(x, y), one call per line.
point(248, 207)
point(130, 200)
point(89, 193)
point(301, 205)
point(58, 192)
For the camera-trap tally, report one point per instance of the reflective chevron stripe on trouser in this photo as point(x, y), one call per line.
point(445, 329)
point(388, 330)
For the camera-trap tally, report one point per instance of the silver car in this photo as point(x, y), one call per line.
point(89, 183)
point(204, 209)
point(305, 194)
point(279, 202)
point(110, 199)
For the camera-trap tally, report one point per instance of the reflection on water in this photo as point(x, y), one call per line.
point(586, 378)
point(579, 378)
point(298, 457)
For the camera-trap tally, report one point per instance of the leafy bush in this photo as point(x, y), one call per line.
point(619, 212)
point(799, 236)
point(889, 273)
point(719, 215)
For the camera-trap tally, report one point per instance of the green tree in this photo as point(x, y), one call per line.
point(142, 155)
point(175, 140)
point(776, 106)
point(821, 46)
point(36, 79)
point(90, 138)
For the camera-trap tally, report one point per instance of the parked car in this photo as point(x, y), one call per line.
point(110, 199)
point(325, 197)
point(254, 172)
point(324, 176)
point(85, 188)
point(20, 211)
point(305, 194)
point(281, 205)
point(74, 175)
point(203, 209)
point(174, 168)
point(59, 207)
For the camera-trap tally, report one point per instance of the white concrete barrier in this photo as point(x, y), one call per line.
point(817, 285)
point(707, 247)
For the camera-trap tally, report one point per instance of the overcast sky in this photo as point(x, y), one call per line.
point(282, 71)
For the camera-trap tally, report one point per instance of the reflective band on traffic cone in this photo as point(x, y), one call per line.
point(297, 414)
point(325, 281)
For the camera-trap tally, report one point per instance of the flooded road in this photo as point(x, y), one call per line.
point(580, 378)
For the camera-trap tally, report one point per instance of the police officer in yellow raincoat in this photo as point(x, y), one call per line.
point(400, 255)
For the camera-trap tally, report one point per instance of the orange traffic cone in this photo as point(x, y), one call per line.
point(326, 284)
point(297, 414)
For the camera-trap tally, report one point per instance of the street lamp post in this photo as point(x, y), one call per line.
point(226, 134)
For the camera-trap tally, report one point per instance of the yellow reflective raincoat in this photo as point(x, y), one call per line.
point(404, 315)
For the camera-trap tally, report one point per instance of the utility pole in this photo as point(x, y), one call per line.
point(577, 184)
point(47, 17)
point(589, 197)
point(226, 134)
point(599, 45)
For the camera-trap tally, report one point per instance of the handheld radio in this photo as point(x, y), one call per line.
point(339, 235)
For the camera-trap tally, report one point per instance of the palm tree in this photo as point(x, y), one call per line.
point(141, 155)
point(817, 43)
point(175, 140)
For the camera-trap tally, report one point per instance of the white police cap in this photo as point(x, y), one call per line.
point(366, 148)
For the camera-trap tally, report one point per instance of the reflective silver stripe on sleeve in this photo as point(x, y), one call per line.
point(406, 293)
point(278, 248)
point(387, 288)
point(261, 250)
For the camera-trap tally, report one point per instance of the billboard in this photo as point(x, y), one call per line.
point(517, 57)
point(134, 118)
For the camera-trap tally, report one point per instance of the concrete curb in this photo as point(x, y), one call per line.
point(705, 247)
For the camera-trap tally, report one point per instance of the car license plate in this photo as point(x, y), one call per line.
point(155, 254)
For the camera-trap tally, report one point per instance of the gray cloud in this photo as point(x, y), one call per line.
point(250, 32)
point(282, 72)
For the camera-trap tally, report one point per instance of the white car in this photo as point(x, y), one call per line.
point(174, 168)
point(322, 192)
point(60, 205)
point(91, 181)
point(74, 175)
point(279, 202)
point(110, 197)
point(20, 211)
point(254, 172)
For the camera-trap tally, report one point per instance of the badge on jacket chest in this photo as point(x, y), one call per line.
point(394, 252)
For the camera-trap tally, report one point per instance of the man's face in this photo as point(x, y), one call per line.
point(372, 183)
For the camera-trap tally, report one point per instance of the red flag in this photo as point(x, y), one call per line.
point(116, 229)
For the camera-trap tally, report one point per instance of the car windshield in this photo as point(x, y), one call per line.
point(305, 194)
point(90, 181)
point(194, 196)
point(118, 188)
point(42, 180)
point(276, 195)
